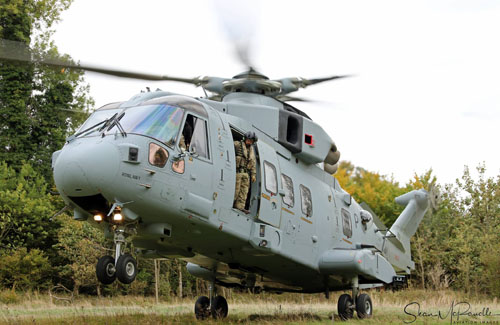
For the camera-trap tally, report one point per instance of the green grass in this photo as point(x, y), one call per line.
point(243, 308)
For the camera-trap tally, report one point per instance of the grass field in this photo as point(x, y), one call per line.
point(389, 307)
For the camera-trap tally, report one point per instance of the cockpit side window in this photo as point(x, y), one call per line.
point(194, 137)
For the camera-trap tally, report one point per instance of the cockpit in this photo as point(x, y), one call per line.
point(160, 119)
point(161, 122)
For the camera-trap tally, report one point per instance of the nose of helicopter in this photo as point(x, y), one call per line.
point(86, 168)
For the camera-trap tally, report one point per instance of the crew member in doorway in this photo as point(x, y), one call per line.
point(245, 169)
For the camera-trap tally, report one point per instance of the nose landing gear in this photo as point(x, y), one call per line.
point(105, 269)
point(126, 269)
point(122, 266)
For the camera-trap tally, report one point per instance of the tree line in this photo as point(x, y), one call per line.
point(457, 244)
point(41, 246)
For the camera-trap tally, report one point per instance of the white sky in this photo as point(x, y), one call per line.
point(426, 92)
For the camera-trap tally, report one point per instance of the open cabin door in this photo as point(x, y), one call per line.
point(270, 202)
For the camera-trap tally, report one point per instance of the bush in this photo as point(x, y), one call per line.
point(20, 269)
point(9, 297)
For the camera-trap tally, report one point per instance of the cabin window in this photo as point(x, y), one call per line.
point(306, 200)
point(346, 223)
point(287, 183)
point(271, 181)
point(157, 155)
point(194, 137)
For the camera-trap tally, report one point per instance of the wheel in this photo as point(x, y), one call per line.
point(219, 308)
point(126, 269)
point(345, 307)
point(105, 270)
point(364, 306)
point(202, 307)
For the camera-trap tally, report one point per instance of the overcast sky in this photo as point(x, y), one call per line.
point(426, 92)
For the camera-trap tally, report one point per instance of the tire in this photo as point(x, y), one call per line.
point(202, 307)
point(126, 269)
point(219, 308)
point(106, 270)
point(344, 307)
point(364, 306)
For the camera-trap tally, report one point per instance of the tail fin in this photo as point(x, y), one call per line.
point(406, 224)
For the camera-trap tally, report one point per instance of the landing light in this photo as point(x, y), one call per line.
point(98, 218)
point(117, 217)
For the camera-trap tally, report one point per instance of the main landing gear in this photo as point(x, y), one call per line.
point(122, 266)
point(215, 305)
point(363, 304)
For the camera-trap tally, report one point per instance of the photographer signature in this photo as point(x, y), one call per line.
point(456, 311)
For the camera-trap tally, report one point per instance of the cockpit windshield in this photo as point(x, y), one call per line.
point(98, 116)
point(161, 122)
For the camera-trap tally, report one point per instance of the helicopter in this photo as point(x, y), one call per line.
point(126, 172)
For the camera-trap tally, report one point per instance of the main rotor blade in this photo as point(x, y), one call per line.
point(289, 85)
point(314, 81)
point(122, 73)
point(286, 98)
point(76, 111)
point(238, 19)
point(17, 51)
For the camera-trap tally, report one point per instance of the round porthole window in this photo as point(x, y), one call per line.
point(158, 156)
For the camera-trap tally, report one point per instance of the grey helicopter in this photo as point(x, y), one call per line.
point(129, 172)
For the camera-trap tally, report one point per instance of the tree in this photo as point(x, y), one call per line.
point(37, 103)
point(456, 243)
point(378, 191)
point(25, 209)
point(37, 111)
point(25, 270)
point(479, 224)
point(80, 245)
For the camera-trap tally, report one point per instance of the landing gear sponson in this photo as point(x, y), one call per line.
point(122, 266)
point(361, 303)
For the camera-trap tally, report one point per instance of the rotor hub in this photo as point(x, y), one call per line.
point(257, 86)
point(251, 74)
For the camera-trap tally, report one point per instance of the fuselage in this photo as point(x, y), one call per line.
point(179, 204)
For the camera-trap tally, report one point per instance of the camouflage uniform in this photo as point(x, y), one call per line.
point(245, 171)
